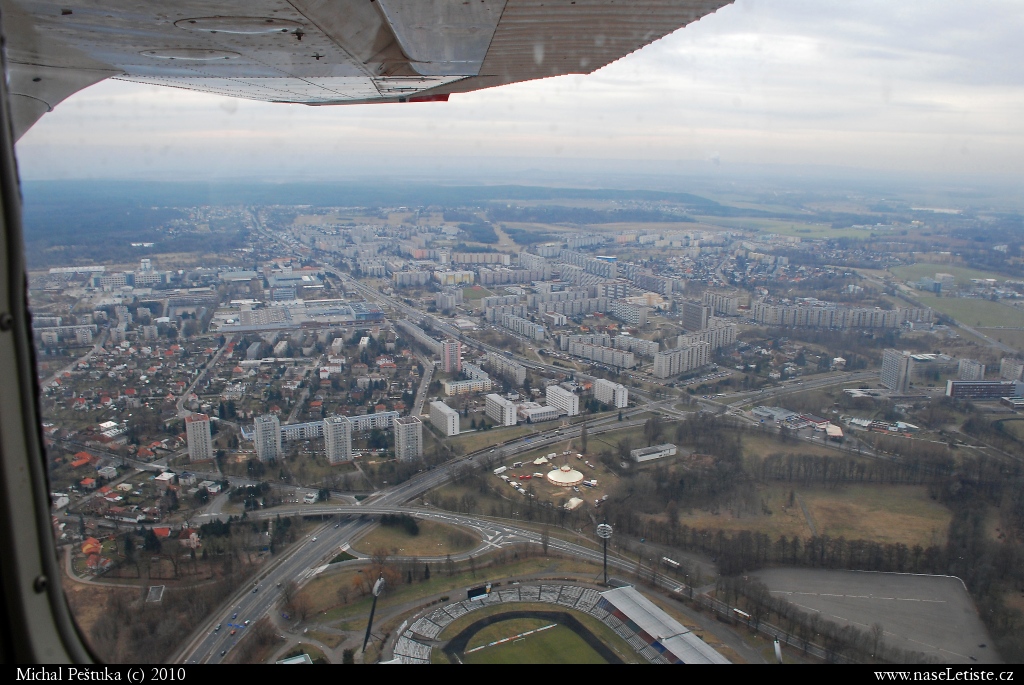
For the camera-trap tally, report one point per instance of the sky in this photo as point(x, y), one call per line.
point(910, 87)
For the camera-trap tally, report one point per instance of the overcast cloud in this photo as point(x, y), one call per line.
point(908, 86)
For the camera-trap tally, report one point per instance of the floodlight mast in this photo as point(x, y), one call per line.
point(604, 531)
point(378, 588)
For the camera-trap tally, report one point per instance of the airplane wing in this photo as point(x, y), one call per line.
point(320, 52)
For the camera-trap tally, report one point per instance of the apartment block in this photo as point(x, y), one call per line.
point(612, 394)
point(338, 439)
point(444, 418)
point(500, 410)
point(408, 438)
point(200, 440)
point(267, 438)
point(563, 400)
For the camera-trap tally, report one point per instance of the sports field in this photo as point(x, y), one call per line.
point(557, 645)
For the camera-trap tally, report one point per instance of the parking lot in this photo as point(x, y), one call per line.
point(930, 614)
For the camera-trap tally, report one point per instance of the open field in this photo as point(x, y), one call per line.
point(929, 614)
point(1014, 427)
point(1014, 339)
point(973, 311)
point(471, 442)
point(961, 274)
point(434, 540)
point(758, 446)
point(784, 227)
point(883, 513)
point(475, 292)
point(558, 645)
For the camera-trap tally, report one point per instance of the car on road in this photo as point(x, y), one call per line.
point(314, 538)
point(246, 622)
point(217, 629)
point(254, 590)
point(234, 616)
point(223, 652)
point(233, 631)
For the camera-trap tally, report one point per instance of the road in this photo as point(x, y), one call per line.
point(424, 389)
point(308, 555)
point(84, 358)
point(179, 405)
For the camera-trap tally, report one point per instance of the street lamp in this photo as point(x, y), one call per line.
point(604, 531)
point(378, 587)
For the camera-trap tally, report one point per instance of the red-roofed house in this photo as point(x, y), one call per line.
point(162, 533)
point(88, 483)
point(97, 564)
point(91, 546)
point(189, 538)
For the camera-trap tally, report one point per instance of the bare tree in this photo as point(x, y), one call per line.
point(877, 636)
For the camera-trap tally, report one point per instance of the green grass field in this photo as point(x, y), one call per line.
point(1014, 427)
point(974, 312)
point(434, 539)
point(1012, 338)
point(475, 292)
point(782, 227)
point(557, 645)
point(963, 275)
point(503, 629)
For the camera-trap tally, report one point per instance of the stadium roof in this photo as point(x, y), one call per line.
point(673, 636)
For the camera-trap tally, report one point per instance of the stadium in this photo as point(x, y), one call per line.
point(546, 623)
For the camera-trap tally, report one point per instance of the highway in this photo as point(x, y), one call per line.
point(311, 556)
point(308, 554)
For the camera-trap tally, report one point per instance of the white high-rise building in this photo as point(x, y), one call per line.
point(200, 440)
point(896, 370)
point(612, 394)
point(444, 417)
point(970, 370)
point(502, 411)
point(268, 438)
point(338, 439)
point(1010, 369)
point(451, 359)
point(562, 399)
point(408, 438)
